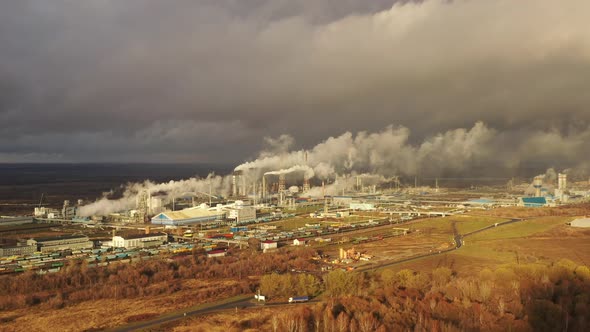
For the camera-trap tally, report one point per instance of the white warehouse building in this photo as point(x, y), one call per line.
point(241, 214)
point(139, 240)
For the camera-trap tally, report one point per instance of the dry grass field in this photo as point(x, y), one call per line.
point(106, 313)
point(544, 237)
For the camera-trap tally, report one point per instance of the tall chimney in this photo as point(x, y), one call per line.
point(562, 181)
point(282, 182)
point(306, 186)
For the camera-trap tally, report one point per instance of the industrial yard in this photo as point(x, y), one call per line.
point(364, 229)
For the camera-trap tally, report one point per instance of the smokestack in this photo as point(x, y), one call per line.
point(234, 188)
point(306, 186)
point(263, 186)
point(562, 181)
point(282, 182)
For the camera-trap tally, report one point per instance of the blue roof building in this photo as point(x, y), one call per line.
point(533, 201)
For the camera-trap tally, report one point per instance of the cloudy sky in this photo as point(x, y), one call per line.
point(207, 80)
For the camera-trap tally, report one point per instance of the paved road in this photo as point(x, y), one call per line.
point(242, 303)
point(239, 303)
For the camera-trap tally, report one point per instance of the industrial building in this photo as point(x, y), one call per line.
point(241, 214)
point(268, 244)
point(139, 240)
point(63, 242)
point(299, 242)
point(188, 216)
point(18, 250)
point(11, 221)
point(216, 253)
point(533, 201)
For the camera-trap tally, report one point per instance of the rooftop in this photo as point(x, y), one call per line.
point(187, 214)
point(140, 236)
point(60, 237)
point(534, 200)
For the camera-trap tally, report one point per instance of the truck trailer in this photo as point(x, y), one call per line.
point(298, 299)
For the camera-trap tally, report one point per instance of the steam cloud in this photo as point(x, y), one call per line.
point(97, 80)
point(378, 157)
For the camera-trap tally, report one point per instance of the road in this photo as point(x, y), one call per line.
point(246, 302)
point(458, 244)
point(242, 302)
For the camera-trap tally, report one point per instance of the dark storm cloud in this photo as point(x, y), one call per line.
point(207, 80)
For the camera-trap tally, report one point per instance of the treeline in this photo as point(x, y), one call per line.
point(287, 285)
point(77, 282)
point(531, 297)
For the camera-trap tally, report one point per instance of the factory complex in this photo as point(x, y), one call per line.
point(268, 215)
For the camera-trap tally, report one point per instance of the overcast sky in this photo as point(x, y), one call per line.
point(207, 80)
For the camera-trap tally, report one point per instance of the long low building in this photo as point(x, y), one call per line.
point(19, 250)
point(139, 240)
point(188, 216)
point(63, 242)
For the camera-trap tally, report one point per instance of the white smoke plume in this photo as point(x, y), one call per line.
point(219, 185)
point(386, 154)
point(309, 173)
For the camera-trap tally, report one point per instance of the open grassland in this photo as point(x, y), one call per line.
point(541, 239)
point(469, 223)
point(437, 225)
point(521, 229)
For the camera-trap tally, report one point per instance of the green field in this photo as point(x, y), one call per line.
point(308, 208)
point(440, 224)
point(466, 224)
point(520, 229)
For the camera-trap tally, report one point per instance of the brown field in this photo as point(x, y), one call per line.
point(247, 320)
point(541, 239)
point(105, 313)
